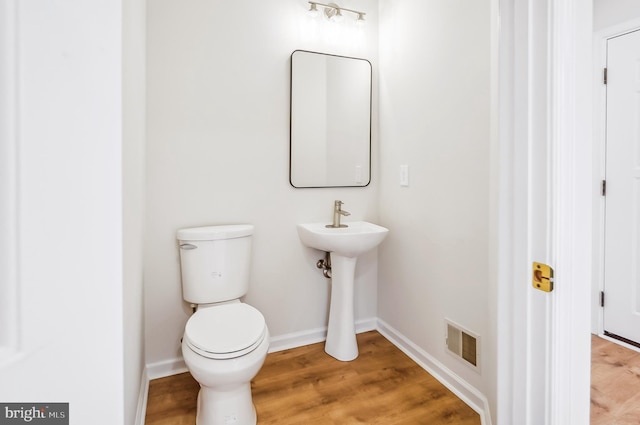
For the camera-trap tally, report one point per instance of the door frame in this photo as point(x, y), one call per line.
point(9, 289)
point(600, 40)
point(562, 33)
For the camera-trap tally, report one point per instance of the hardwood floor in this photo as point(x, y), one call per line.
point(615, 384)
point(306, 386)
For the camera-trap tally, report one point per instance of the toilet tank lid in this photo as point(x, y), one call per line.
point(210, 233)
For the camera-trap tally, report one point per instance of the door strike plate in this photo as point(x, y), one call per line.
point(542, 277)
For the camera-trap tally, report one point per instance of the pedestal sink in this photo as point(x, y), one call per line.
point(345, 245)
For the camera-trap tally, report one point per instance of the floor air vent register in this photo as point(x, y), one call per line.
point(462, 344)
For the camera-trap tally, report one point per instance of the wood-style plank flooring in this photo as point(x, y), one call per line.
point(306, 386)
point(615, 384)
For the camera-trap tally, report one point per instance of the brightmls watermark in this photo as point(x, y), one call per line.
point(34, 413)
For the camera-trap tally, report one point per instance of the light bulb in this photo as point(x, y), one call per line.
point(337, 16)
point(313, 10)
point(360, 21)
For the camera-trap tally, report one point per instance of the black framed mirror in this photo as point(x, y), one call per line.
point(330, 143)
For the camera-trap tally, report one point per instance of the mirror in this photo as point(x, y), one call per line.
point(330, 120)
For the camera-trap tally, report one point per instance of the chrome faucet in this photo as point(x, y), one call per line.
point(337, 212)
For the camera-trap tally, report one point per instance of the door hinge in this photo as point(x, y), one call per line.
point(604, 76)
point(604, 188)
point(601, 298)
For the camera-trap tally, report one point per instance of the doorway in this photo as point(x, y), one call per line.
point(615, 297)
point(620, 297)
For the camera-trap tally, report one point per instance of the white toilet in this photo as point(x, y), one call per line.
point(225, 341)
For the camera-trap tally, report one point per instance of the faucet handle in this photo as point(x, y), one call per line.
point(337, 212)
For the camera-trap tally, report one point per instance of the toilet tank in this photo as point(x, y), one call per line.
point(214, 262)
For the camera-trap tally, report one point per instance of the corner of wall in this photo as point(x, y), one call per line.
point(466, 392)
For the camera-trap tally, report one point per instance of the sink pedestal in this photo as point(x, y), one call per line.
point(345, 245)
point(341, 334)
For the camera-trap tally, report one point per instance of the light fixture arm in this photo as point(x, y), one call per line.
point(334, 8)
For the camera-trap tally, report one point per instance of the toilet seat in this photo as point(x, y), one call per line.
point(226, 331)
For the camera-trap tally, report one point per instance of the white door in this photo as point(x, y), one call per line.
point(622, 200)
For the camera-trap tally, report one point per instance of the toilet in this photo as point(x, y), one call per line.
point(225, 341)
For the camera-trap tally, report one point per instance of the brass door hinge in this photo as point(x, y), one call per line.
point(542, 277)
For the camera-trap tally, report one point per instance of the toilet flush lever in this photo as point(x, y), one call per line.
point(188, 246)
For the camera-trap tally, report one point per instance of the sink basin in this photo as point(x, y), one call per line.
point(352, 241)
point(345, 245)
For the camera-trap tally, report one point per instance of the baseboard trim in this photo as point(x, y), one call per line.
point(166, 368)
point(467, 393)
point(297, 339)
point(142, 398)
point(313, 336)
point(279, 343)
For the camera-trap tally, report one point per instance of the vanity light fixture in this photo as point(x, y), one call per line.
point(333, 12)
point(334, 15)
point(313, 10)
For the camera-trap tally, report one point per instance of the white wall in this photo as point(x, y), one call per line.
point(8, 184)
point(435, 102)
point(133, 162)
point(607, 13)
point(68, 185)
point(218, 152)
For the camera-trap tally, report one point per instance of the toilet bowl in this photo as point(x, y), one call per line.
point(224, 348)
point(225, 341)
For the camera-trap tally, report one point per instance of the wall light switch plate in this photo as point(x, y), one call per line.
point(404, 175)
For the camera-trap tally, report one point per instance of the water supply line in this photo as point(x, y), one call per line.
point(325, 265)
